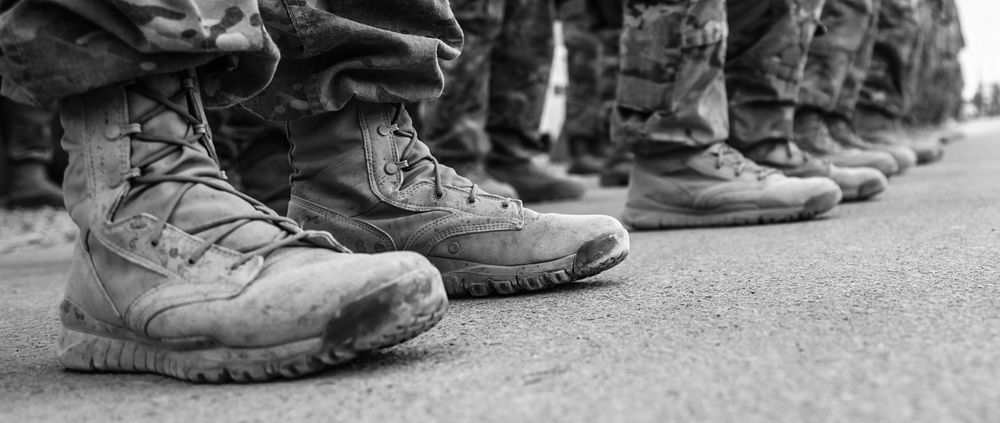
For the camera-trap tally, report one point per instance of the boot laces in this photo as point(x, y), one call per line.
point(726, 156)
point(405, 164)
point(142, 179)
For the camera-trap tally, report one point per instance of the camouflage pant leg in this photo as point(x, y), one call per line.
point(519, 80)
point(857, 69)
point(454, 125)
point(671, 91)
point(768, 44)
point(830, 56)
point(27, 132)
point(886, 85)
point(369, 49)
point(593, 69)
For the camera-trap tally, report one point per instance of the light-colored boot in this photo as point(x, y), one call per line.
point(363, 174)
point(718, 186)
point(177, 273)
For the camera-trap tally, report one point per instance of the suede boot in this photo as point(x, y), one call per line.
point(177, 273)
point(717, 186)
point(856, 183)
point(363, 174)
point(813, 136)
point(872, 130)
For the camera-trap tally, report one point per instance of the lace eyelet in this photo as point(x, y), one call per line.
point(505, 205)
point(471, 201)
point(192, 262)
point(154, 243)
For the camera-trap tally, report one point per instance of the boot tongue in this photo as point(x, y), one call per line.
point(201, 204)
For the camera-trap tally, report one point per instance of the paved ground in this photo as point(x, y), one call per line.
point(884, 311)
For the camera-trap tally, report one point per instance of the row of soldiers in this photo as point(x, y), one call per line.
point(725, 112)
point(897, 63)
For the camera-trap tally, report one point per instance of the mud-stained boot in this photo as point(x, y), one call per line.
point(30, 186)
point(177, 273)
point(618, 168)
point(718, 186)
point(476, 172)
point(813, 136)
point(363, 174)
point(857, 183)
point(534, 183)
point(872, 131)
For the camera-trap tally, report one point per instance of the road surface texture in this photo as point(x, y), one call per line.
point(886, 311)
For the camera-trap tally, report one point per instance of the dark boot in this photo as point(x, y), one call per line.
point(30, 186)
point(363, 174)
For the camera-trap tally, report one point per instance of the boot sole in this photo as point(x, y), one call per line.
point(671, 218)
point(466, 278)
point(389, 316)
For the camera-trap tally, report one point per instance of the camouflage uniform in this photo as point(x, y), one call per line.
point(939, 72)
point(768, 45)
point(890, 81)
point(675, 73)
point(838, 61)
point(364, 49)
point(492, 106)
point(592, 31)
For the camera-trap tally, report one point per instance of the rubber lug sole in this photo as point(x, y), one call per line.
point(671, 219)
point(389, 316)
point(466, 278)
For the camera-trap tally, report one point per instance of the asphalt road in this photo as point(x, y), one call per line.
point(881, 311)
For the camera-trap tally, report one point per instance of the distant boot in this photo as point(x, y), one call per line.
point(858, 183)
point(363, 174)
point(476, 173)
point(30, 186)
point(871, 130)
point(618, 168)
point(813, 136)
point(718, 186)
point(582, 158)
point(926, 143)
point(535, 184)
point(177, 273)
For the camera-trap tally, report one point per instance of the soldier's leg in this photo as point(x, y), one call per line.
point(581, 129)
point(362, 173)
point(826, 71)
point(455, 123)
point(768, 44)
point(672, 110)
point(27, 139)
point(519, 74)
point(174, 271)
point(839, 122)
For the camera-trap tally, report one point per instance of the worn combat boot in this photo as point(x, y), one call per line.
point(177, 273)
point(30, 186)
point(363, 174)
point(718, 186)
point(813, 136)
point(858, 183)
point(870, 130)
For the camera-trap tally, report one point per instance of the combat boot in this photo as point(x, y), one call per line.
point(534, 183)
point(176, 273)
point(362, 173)
point(813, 137)
point(857, 183)
point(718, 186)
point(871, 130)
point(30, 186)
point(926, 143)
